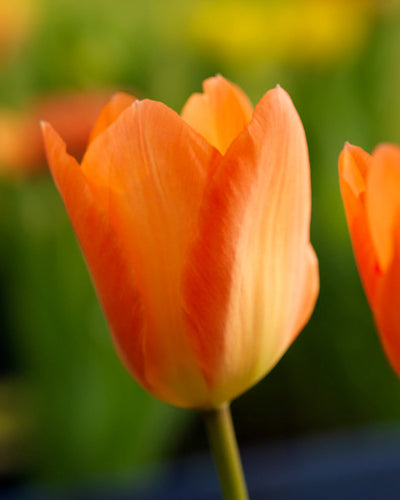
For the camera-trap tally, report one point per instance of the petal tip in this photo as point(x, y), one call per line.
point(280, 93)
point(44, 126)
point(213, 80)
point(348, 146)
point(350, 155)
point(347, 149)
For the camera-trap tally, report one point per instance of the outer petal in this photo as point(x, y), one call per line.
point(109, 267)
point(148, 170)
point(118, 103)
point(354, 164)
point(220, 114)
point(251, 271)
point(309, 289)
point(383, 199)
point(387, 307)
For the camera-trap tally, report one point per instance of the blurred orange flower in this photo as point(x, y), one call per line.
point(370, 186)
point(21, 143)
point(196, 232)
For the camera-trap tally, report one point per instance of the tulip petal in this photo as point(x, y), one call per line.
point(220, 114)
point(354, 163)
point(110, 270)
point(383, 201)
point(386, 310)
point(310, 289)
point(110, 112)
point(250, 274)
point(149, 170)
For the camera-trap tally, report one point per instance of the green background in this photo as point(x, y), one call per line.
point(68, 410)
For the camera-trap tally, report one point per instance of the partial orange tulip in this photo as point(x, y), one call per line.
point(196, 232)
point(370, 186)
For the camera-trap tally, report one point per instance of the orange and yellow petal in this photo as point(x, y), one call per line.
point(309, 289)
point(250, 271)
point(110, 112)
point(354, 166)
point(148, 171)
point(383, 200)
point(387, 307)
point(220, 113)
point(106, 258)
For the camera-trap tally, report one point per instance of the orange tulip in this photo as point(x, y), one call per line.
point(196, 232)
point(370, 186)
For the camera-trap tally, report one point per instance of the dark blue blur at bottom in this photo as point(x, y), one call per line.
point(363, 464)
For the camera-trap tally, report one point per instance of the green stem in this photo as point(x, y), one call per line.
point(221, 435)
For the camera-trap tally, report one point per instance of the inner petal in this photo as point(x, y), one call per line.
point(148, 171)
point(220, 113)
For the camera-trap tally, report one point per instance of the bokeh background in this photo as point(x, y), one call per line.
point(69, 413)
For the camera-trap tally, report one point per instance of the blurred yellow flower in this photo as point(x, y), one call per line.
point(294, 31)
point(17, 18)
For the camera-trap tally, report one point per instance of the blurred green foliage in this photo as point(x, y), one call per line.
point(88, 417)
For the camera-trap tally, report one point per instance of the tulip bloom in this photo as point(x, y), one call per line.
point(370, 186)
point(196, 232)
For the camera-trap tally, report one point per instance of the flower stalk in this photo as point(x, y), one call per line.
point(222, 438)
